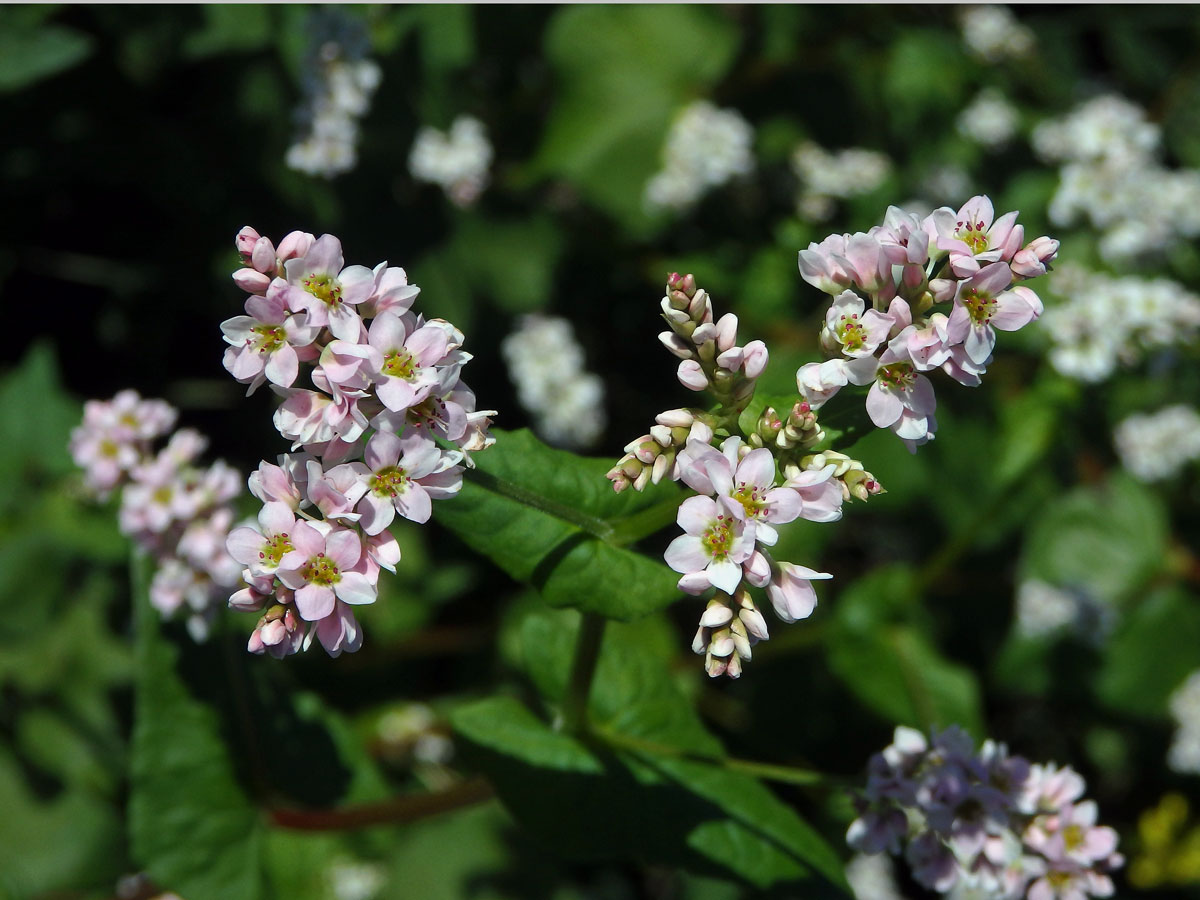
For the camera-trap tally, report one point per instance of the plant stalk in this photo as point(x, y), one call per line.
point(583, 670)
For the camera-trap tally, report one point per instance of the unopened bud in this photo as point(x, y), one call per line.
point(691, 376)
point(700, 308)
point(251, 281)
point(673, 314)
point(663, 464)
point(676, 345)
point(676, 418)
point(263, 257)
point(769, 424)
point(685, 284)
point(756, 358)
point(662, 434)
point(643, 479)
point(726, 330)
point(244, 241)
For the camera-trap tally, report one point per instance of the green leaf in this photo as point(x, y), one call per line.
point(30, 54)
point(551, 518)
point(230, 29)
point(889, 663)
point(623, 72)
point(652, 788)
point(190, 824)
point(925, 72)
point(1108, 540)
point(511, 261)
point(1151, 654)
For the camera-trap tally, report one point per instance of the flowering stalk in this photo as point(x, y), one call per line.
point(746, 483)
point(174, 510)
point(372, 437)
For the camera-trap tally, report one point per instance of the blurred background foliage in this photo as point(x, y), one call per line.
point(140, 139)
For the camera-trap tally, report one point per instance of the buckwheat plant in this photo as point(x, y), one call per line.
point(983, 822)
point(909, 296)
point(174, 510)
point(388, 430)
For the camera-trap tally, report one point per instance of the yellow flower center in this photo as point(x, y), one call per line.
point(324, 288)
point(389, 481)
point(718, 539)
point(321, 570)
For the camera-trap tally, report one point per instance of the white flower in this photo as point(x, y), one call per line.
point(705, 148)
point(344, 95)
point(458, 161)
point(546, 364)
point(993, 33)
point(826, 176)
point(989, 119)
point(1184, 755)
point(1156, 446)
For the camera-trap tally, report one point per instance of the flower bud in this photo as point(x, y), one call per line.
point(663, 464)
point(676, 418)
point(691, 376)
point(755, 354)
point(685, 284)
point(251, 281)
point(700, 307)
point(263, 257)
point(676, 345)
point(244, 241)
point(294, 246)
point(768, 424)
point(673, 315)
point(726, 330)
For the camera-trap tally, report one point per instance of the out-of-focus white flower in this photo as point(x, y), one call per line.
point(1184, 755)
point(342, 97)
point(1044, 610)
point(1111, 178)
point(546, 365)
point(827, 176)
point(1156, 446)
point(1105, 322)
point(457, 160)
point(705, 148)
point(873, 877)
point(989, 119)
point(351, 879)
point(993, 33)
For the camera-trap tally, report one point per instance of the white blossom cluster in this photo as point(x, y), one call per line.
point(458, 161)
point(341, 97)
point(546, 365)
point(1184, 755)
point(827, 176)
point(989, 120)
point(1111, 177)
point(1156, 446)
point(1105, 321)
point(993, 33)
point(1044, 610)
point(705, 148)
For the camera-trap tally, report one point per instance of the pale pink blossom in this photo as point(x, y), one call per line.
point(716, 543)
point(260, 549)
point(790, 590)
point(318, 284)
point(325, 565)
point(400, 475)
point(974, 239)
point(903, 400)
point(851, 330)
point(983, 302)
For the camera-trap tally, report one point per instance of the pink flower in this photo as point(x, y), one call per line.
point(392, 291)
point(790, 590)
point(902, 400)
point(261, 549)
point(849, 329)
point(972, 238)
point(324, 566)
point(318, 283)
point(263, 343)
point(716, 543)
point(338, 632)
point(825, 266)
point(745, 486)
point(409, 357)
point(398, 476)
point(982, 302)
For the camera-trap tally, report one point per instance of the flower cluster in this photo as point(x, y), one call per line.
point(993, 33)
point(989, 120)
point(388, 387)
point(706, 147)
point(1112, 178)
point(457, 161)
point(970, 263)
point(173, 509)
point(340, 83)
point(826, 177)
point(1184, 755)
point(1105, 322)
point(746, 484)
point(545, 363)
point(1156, 446)
point(983, 820)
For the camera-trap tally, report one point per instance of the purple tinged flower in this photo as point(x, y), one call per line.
point(932, 863)
point(280, 483)
point(716, 543)
point(319, 284)
point(820, 493)
point(324, 566)
point(825, 266)
point(1035, 258)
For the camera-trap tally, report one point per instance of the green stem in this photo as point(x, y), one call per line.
point(644, 522)
point(583, 670)
point(768, 771)
point(592, 525)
